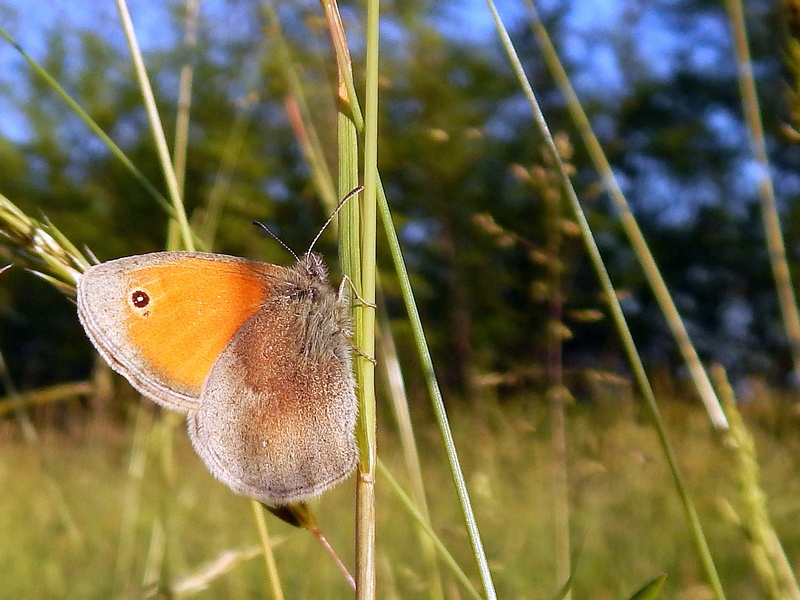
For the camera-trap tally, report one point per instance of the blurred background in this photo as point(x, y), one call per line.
point(658, 80)
point(506, 293)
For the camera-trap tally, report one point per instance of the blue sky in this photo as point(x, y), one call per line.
point(596, 36)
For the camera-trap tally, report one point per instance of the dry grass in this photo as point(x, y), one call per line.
point(627, 522)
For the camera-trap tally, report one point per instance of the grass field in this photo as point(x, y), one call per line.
point(627, 523)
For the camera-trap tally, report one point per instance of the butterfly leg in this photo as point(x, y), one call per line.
point(347, 280)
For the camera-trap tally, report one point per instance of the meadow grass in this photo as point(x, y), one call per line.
point(627, 520)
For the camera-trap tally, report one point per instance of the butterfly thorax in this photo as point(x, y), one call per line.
point(322, 317)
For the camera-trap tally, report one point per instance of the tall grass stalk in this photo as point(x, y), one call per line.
point(435, 393)
point(768, 556)
point(365, 320)
point(209, 224)
point(393, 376)
point(351, 116)
point(131, 500)
point(200, 579)
point(349, 120)
point(90, 123)
point(766, 192)
point(616, 312)
point(350, 255)
point(158, 564)
point(790, 11)
point(557, 394)
point(631, 227)
point(424, 524)
point(55, 393)
point(162, 150)
point(184, 105)
point(297, 108)
point(269, 555)
point(185, 94)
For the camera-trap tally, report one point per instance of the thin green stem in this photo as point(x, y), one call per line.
point(184, 105)
point(159, 137)
point(266, 547)
point(300, 116)
point(632, 230)
point(393, 376)
point(416, 513)
point(365, 318)
point(436, 395)
point(94, 127)
point(769, 209)
point(616, 311)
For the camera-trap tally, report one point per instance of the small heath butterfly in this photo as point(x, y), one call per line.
point(257, 355)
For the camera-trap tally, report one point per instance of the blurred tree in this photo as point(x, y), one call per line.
point(661, 91)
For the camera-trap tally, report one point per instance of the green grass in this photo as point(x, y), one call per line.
point(628, 525)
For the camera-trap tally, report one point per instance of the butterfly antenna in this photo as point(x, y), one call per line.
point(275, 237)
point(354, 192)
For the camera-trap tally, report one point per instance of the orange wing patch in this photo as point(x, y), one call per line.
point(195, 307)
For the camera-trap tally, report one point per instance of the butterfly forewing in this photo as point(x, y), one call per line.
point(162, 319)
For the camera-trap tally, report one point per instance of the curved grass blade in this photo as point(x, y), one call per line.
point(631, 228)
point(616, 311)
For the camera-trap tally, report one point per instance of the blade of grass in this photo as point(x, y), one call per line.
point(116, 150)
point(616, 311)
point(345, 167)
point(300, 116)
point(347, 89)
point(123, 570)
point(435, 393)
point(769, 209)
point(219, 192)
point(769, 558)
point(198, 581)
point(155, 125)
point(266, 547)
point(233, 148)
point(397, 394)
point(365, 319)
point(184, 104)
point(424, 524)
point(185, 93)
point(56, 393)
point(350, 249)
point(631, 228)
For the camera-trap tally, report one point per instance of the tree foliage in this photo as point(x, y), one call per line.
point(454, 133)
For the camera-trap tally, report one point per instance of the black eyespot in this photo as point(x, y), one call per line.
point(140, 299)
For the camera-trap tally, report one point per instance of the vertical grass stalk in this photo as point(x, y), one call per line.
point(266, 546)
point(184, 104)
point(631, 227)
point(155, 124)
point(393, 374)
point(436, 397)
point(769, 209)
point(618, 316)
point(769, 559)
point(350, 254)
point(90, 123)
point(365, 319)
